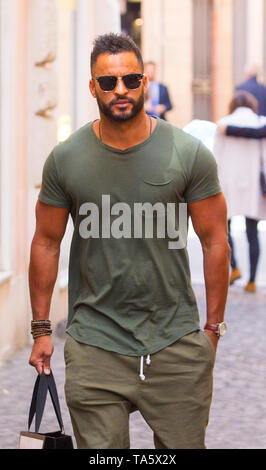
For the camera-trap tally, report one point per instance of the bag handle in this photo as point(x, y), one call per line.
point(42, 385)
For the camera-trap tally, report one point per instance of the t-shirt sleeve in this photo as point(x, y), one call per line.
point(52, 192)
point(203, 181)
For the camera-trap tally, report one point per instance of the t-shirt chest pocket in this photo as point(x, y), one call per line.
point(157, 190)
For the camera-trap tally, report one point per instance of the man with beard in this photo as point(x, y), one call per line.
point(130, 295)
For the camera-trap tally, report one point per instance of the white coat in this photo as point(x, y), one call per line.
point(238, 162)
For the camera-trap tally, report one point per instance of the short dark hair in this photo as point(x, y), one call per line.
point(114, 44)
point(245, 99)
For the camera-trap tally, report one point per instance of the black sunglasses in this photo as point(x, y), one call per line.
point(109, 82)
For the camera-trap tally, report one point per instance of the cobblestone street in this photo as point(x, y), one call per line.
point(238, 412)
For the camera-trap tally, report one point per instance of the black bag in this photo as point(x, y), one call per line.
point(50, 440)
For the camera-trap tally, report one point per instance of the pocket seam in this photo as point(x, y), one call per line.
point(209, 343)
point(163, 183)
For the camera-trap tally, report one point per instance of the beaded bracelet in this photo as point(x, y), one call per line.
point(40, 328)
point(37, 335)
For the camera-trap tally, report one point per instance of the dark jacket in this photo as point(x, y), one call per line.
point(164, 99)
point(248, 132)
point(256, 89)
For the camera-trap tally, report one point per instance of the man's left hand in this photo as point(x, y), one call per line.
point(214, 338)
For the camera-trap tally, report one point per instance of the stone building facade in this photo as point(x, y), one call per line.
point(201, 48)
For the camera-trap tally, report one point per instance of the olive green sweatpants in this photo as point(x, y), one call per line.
point(172, 392)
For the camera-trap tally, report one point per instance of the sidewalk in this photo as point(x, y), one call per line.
point(238, 412)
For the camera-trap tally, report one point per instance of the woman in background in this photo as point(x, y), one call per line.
point(239, 161)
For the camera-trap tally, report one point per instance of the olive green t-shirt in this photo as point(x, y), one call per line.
point(129, 292)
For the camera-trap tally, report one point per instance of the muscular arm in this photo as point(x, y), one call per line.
point(209, 220)
point(45, 249)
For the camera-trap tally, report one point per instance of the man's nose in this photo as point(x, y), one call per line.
point(120, 88)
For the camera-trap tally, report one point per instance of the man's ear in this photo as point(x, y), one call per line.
point(145, 83)
point(92, 88)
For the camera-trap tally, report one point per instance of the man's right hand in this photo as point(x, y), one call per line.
point(41, 353)
point(51, 224)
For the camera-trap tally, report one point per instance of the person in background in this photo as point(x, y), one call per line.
point(239, 166)
point(157, 102)
point(258, 90)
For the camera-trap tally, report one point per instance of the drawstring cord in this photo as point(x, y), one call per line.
point(148, 361)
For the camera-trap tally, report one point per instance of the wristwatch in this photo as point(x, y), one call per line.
point(218, 328)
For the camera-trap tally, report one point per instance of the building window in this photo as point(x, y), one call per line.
point(131, 21)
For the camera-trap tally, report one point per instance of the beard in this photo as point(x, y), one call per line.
point(122, 115)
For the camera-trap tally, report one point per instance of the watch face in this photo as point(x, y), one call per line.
point(222, 329)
